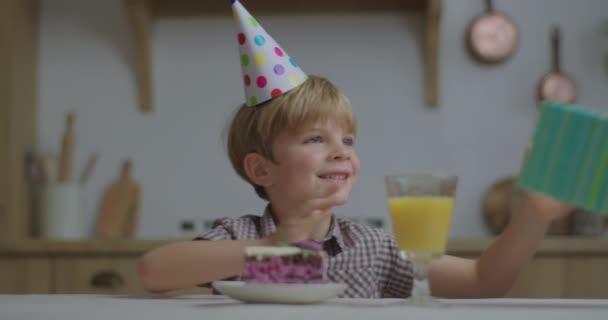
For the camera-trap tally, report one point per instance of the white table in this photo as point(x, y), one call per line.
point(109, 307)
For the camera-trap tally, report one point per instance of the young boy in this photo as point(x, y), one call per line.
point(296, 148)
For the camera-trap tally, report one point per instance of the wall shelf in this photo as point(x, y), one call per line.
point(142, 13)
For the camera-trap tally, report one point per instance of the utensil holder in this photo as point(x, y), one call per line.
point(61, 211)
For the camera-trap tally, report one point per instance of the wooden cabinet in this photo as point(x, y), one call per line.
point(104, 275)
point(586, 276)
point(18, 112)
point(97, 267)
point(542, 279)
point(564, 277)
point(24, 274)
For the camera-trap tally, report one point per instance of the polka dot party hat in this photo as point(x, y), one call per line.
point(268, 71)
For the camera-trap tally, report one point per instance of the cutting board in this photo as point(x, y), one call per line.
point(120, 205)
point(497, 204)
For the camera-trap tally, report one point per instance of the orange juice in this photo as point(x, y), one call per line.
point(421, 223)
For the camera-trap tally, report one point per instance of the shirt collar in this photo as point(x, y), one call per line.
point(268, 227)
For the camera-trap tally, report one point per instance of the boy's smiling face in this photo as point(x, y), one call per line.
point(309, 161)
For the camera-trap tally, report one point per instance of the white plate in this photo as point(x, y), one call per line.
point(279, 293)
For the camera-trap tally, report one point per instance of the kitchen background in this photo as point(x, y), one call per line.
point(485, 117)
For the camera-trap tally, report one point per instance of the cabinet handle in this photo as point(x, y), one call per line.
point(106, 280)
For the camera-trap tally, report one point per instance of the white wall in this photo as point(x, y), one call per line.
point(485, 118)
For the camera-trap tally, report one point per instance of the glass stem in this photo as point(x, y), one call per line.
point(421, 291)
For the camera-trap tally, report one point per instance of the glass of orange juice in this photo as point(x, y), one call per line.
point(421, 205)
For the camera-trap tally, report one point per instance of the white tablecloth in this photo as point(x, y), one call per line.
point(109, 307)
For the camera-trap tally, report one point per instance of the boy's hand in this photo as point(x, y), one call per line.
point(301, 221)
point(546, 208)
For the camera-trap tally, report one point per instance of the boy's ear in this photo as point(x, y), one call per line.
point(257, 170)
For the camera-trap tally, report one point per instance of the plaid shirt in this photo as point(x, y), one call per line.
point(365, 258)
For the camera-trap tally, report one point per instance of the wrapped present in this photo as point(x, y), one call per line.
point(569, 157)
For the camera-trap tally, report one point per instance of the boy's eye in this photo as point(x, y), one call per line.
point(349, 141)
point(315, 139)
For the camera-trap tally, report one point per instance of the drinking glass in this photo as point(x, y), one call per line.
point(421, 206)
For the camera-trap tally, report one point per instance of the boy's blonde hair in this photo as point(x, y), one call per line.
point(254, 129)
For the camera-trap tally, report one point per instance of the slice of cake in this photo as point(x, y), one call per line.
point(569, 157)
point(301, 262)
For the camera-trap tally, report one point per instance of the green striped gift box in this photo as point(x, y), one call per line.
point(569, 157)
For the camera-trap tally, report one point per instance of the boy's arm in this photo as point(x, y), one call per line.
point(190, 263)
point(494, 273)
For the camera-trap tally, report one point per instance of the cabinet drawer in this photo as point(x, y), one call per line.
point(543, 278)
point(586, 277)
point(104, 275)
point(24, 275)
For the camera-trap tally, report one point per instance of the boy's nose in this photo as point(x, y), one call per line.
point(341, 152)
